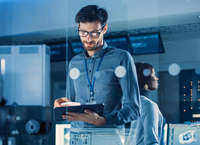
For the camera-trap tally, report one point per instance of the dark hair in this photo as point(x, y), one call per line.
point(140, 67)
point(92, 13)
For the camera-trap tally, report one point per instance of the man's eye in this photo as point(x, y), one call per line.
point(94, 34)
point(83, 32)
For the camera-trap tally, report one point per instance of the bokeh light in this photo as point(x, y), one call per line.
point(97, 74)
point(146, 72)
point(74, 73)
point(197, 71)
point(120, 71)
point(174, 69)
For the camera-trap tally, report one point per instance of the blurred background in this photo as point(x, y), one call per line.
point(38, 39)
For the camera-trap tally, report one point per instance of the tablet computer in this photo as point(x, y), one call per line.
point(59, 111)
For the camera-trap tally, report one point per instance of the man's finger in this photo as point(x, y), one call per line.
point(89, 112)
point(72, 118)
point(64, 116)
point(73, 113)
point(69, 117)
point(57, 102)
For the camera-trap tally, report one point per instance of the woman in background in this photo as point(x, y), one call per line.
point(149, 126)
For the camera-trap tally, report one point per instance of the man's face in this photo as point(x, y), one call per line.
point(90, 43)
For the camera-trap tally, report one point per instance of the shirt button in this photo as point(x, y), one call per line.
point(88, 85)
point(89, 70)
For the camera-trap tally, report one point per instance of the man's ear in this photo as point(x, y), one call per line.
point(105, 29)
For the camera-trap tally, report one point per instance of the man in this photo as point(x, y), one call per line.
point(107, 88)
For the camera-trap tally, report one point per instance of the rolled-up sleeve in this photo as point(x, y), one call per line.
point(129, 86)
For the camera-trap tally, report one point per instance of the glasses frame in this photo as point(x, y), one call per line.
point(90, 33)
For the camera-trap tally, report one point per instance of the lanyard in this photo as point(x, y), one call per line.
point(92, 85)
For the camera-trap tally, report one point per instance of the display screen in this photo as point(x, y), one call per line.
point(60, 52)
point(180, 134)
point(77, 47)
point(146, 44)
point(118, 42)
point(89, 136)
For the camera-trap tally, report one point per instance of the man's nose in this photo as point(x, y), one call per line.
point(89, 38)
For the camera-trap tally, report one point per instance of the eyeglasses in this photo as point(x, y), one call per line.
point(92, 34)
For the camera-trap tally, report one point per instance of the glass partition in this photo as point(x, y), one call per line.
point(38, 41)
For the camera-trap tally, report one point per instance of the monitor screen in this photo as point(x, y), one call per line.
point(118, 42)
point(184, 134)
point(60, 52)
point(146, 44)
point(77, 47)
point(65, 135)
point(165, 132)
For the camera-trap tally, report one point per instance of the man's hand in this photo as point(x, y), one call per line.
point(57, 102)
point(87, 116)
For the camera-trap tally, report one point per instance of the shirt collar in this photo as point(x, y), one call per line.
point(96, 54)
point(145, 93)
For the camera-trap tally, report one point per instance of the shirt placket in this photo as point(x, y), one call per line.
point(90, 64)
point(92, 68)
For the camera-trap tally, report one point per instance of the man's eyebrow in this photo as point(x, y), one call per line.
point(89, 31)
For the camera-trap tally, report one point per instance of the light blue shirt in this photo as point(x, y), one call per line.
point(119, 95)
point(149, 126)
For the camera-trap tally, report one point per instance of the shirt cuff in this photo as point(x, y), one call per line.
point(109, 119)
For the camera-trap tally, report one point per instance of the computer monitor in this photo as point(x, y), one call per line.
point(129, 135)
point(62, 134)
point(60, 52)
point(146, 44)
point(118, 42)
point(65, 135)
point(165, 133)
point(180, 134)
point(76, 47)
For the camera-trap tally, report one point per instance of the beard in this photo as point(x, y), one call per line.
point(91, 46)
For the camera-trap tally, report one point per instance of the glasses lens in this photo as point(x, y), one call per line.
point(82, 33)
point(94, 34)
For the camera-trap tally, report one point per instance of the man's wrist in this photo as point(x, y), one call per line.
point(102, 120)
